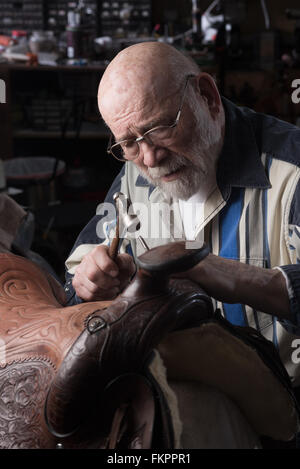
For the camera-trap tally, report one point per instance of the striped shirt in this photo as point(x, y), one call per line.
point(253, 216)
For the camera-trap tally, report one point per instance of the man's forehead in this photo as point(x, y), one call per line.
point(133, 85)
point(126, 96)
point(119, 102)
point(133, 119)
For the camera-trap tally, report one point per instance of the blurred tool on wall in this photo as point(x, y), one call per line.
point(79, 33)
point(212, 18)
point(269, 40)
point(225, 16)
point(196, 22)
point(228, 38)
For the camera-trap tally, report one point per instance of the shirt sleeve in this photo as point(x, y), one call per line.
point(292, 271)
point(96, 232)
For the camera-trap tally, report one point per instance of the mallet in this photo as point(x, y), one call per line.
point(130, 224)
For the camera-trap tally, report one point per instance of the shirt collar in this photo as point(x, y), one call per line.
point(142, 182)
point(240, 162)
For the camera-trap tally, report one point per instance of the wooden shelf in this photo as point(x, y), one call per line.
point(14, 66)
point(12, 133)
point(49, 134)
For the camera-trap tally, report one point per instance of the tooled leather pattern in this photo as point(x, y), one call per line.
point(32, 322)
point(22, 392)
point(36, 332)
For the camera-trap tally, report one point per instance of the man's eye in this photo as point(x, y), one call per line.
point(163, 132)
point(128, 144)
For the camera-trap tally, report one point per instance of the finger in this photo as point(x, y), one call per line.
point(95, 275)
point(106, 294)
point(106, 284)
point(104, 262)
point(92, 263)
point(85, 294)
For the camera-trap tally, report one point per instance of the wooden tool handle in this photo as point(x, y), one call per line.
point(113, 248)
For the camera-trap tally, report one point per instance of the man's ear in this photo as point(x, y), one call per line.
point(208, 90)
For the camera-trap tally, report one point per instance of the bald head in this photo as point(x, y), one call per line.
point(142, 73)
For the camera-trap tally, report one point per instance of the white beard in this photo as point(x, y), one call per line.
point(188, 182)
point(199, 171)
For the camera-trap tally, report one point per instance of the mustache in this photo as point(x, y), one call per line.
point(173, 164)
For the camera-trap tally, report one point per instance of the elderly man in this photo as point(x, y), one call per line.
point(185, 146)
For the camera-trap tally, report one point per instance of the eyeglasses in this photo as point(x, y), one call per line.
point(129, 149)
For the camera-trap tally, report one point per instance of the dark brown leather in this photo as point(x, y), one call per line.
point(172, 258)
point(116, 341)
point(77, 352)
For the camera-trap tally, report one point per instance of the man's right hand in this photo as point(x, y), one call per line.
point(98, 277)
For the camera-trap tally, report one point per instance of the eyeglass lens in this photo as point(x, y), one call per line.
point(129, 149)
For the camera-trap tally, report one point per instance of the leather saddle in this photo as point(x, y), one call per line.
point(80, 376)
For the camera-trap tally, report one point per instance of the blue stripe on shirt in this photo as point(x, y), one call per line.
point(266, 248)
point(229, 246)
point(266, 252)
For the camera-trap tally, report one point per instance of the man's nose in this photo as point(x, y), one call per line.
point(151, 154)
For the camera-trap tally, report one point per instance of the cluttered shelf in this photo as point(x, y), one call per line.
point(50, 102)
point(64, 67)
point(266, 91)
point(50, 134)
point(87, 131)
point(52, 71)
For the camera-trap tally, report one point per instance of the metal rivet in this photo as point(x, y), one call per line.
point(95, 324)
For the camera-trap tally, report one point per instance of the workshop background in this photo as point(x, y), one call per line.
point(53, 159)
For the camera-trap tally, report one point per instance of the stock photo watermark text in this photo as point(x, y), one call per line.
point(296, 93)
point(2, 352)
point(2, 92)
